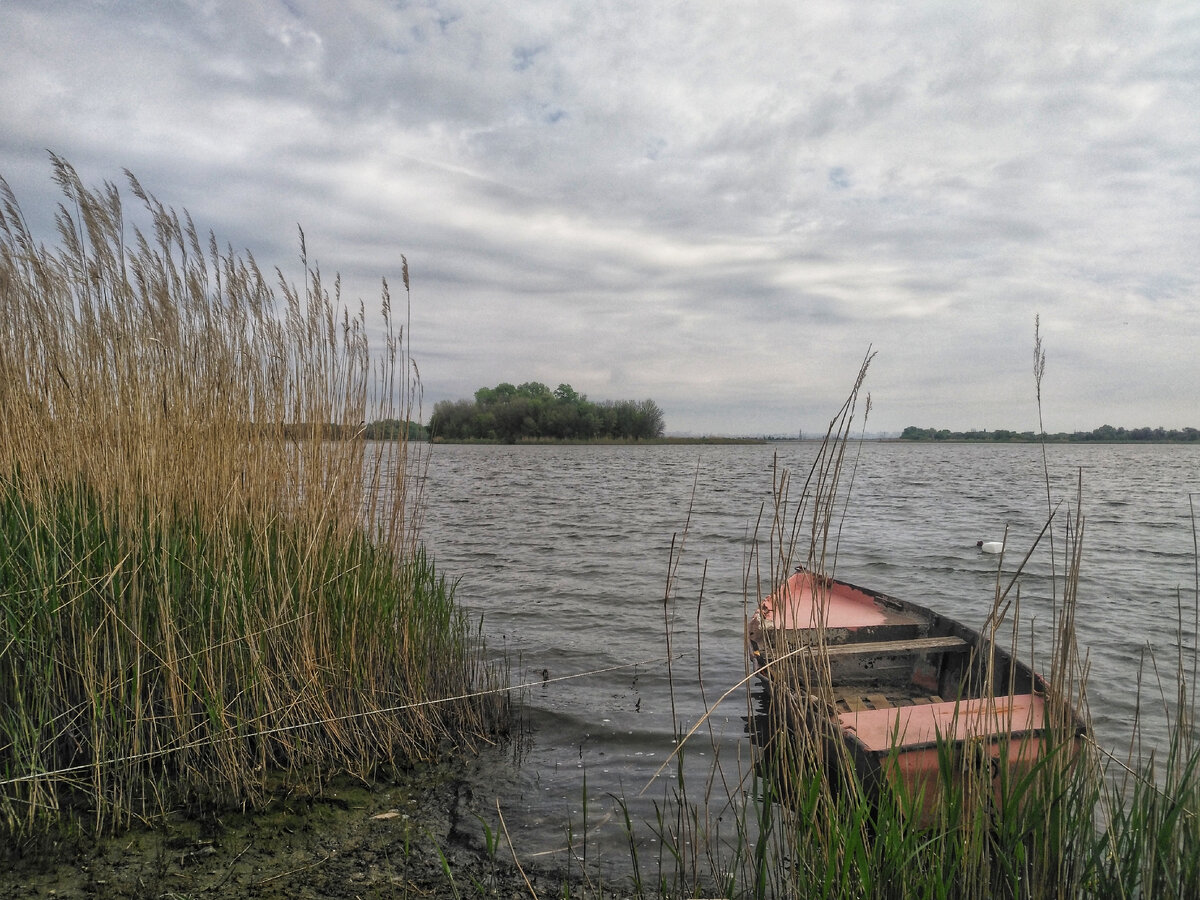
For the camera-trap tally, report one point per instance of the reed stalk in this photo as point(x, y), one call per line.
point(211, 582)
point(1065, 826)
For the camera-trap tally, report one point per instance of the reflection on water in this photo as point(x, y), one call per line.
point(564, 552)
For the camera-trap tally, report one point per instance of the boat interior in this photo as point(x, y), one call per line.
point(883, 655)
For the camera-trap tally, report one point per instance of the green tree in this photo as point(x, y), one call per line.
point(532, 411)
point(534, 390)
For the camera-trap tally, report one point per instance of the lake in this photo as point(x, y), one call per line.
point(564, 551)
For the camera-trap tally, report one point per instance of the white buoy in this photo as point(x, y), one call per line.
point(990, 546)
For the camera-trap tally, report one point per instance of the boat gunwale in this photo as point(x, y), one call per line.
point(1016, 672)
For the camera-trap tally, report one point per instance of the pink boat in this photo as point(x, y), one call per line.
point(905, 687)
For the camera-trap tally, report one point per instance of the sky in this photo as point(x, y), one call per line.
point(719, 206)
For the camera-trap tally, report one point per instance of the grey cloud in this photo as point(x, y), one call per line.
point(695, 202)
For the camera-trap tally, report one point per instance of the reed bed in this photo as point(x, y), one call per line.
point(211, 582)
point(1079, 822)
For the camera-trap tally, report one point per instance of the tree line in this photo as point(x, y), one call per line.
point(1103, 434)
point(532, 411)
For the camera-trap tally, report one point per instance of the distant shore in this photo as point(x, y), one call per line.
point(1105, 434)
point(873, 439)
point(617, 442)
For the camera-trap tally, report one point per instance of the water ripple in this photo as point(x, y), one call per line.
point(565, 551)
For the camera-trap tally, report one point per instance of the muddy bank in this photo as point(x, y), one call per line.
point(418, 835)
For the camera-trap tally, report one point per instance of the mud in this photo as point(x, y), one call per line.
point(418, 835)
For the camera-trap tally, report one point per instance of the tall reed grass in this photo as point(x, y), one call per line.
point(798, 821)
point(209, 580)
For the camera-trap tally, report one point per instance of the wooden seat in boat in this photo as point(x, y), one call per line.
point(922, 725)
point(944, 644)
point(855, 700)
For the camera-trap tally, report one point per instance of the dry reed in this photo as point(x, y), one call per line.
point(210, 580)
point(805, 825)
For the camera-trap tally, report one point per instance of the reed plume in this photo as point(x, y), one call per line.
point(210, 579)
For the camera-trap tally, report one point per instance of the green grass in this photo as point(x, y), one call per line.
point(201, 595)
point(204, 599)
point(798, 823)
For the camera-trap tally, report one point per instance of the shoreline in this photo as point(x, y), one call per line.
point(643, 442)
point(415, 833)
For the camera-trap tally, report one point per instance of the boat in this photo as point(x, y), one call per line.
point(907, 692)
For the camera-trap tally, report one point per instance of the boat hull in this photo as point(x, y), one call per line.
point(915, 701)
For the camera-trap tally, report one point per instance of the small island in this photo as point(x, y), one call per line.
point(1105, 434)
point(533, 412)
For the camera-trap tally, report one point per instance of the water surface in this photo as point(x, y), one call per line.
point(565, 553)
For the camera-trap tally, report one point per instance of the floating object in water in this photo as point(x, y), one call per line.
point(990, 546)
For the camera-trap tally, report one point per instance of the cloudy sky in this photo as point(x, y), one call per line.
point(720, 206)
